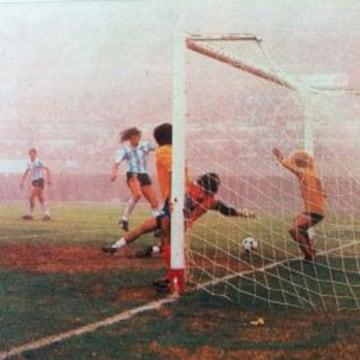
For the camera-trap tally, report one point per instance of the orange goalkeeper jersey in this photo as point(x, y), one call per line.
point(311, 188)
point(197, 203)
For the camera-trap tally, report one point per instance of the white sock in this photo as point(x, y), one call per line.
point(45, 208)
point(155, 212)
point(118, 244)
point(155, 249)
point(311, 232)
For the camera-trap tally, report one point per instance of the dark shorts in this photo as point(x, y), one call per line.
point(143, 178)
point(314, 217)
point(165, 212)
point(38, 183)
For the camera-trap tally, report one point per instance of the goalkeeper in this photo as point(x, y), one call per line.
point(302, 165)
point(199, 198)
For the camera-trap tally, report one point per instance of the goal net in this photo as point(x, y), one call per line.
point(233, 105)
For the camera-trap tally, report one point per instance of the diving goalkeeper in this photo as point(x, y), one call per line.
point(199, 198)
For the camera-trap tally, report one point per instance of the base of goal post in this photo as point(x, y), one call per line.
point(177, 281)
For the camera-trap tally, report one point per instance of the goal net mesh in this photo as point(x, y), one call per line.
point(234, 118)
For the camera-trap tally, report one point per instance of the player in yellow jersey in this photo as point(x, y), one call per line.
point(302, 165)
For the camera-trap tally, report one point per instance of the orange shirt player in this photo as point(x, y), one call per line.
point(163, 155)
point(302, 165)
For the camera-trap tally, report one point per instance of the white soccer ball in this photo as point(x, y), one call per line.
point(249, 243)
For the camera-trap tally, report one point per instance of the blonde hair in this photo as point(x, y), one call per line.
point(303, 159)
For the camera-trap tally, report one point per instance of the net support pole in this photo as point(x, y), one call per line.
point(177, 259)
point(308, 124)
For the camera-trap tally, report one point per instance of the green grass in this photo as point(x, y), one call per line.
point(332, 282)
point(34, 305)
point(73, 224)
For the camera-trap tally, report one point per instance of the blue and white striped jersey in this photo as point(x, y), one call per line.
point(135, 156)
point(37, 169)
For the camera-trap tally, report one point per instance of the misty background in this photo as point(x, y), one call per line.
point(75, 73)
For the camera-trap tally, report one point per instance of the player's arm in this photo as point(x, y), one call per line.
point(224, 209)
point(200, 209)
point(48, 175)
point(150, 146)
point(322, 190)
point(286, 163)
point(114, 172)
point(23, 178)
point(227, 210)
point(119, 157)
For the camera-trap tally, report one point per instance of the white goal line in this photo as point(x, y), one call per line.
point(154, 305)
point(48, 340)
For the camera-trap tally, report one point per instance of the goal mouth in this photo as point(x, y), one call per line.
point(232, 104)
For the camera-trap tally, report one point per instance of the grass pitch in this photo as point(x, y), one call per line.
point(36, 302)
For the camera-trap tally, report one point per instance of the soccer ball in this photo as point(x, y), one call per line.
point(249, 243)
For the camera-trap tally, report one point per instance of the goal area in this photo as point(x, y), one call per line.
point(232, 104)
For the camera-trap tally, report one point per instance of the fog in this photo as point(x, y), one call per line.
point(75, 73)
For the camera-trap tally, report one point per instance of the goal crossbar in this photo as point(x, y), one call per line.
point(223, 37)
point(197, 44)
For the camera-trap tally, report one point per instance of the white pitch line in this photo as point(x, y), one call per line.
point(267, 267)
point(125, 315)
point(154, 305)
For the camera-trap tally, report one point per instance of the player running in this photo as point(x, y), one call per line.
point(302, 165)
point(163, 136)
point(137, 178)
point(39, 173)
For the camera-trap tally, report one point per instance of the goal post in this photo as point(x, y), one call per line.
point(231, 105)
point(177, 260)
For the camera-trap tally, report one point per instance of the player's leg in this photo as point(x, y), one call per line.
point(44, 204)
point(149, 194)
point(163, 285)
point(135, 190)
point(314, 220)
point(129, 237)
point(30, 203)
point(299, 232)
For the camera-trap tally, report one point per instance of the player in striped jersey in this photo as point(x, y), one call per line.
point(39, 173)
point(135, 154)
